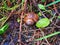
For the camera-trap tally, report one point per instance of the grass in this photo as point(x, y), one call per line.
point(47, 36)
point(52, 3)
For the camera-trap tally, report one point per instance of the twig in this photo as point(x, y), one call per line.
point(20, 29)
point(18, 1)
point(43, 35)
point(55, 7)
point(38, 42)
point(7, 18)
point(23, 7)
point(30, 5)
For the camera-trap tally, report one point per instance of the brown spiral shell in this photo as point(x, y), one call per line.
point(30, 18)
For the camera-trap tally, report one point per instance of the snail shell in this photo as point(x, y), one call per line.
point(30, 18)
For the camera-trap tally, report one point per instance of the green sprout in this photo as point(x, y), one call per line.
point(39, 14)
point(58, 17)
point(18, 20)
point(42, 7)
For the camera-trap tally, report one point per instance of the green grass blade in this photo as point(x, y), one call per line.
point(3, 19)
point(53, 3)
point(50, 35)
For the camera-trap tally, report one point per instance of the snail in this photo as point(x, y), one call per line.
point(30, 18)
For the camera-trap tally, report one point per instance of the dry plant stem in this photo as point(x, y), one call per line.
point(34, 2)
point(20, 29)
point(54, 7)
point(11, 41)
point(2, 42)
point(34, 35)
point(30, 5)
point(56, 26)
point(50, 8)
point(7, 18)
point(38, 42)
point(45, 3)
point(18, 1)
point(45, 39)
point(23, 7)
point(42, 13)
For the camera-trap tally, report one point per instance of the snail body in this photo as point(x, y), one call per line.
point(30, 18)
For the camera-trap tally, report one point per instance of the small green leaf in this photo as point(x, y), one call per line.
point(4, 4)
point(23, 1)
point(43, 23)
point(58, 17)
point(43, 0)
point(42, 7)
point(39, 14)
point(18, 20)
